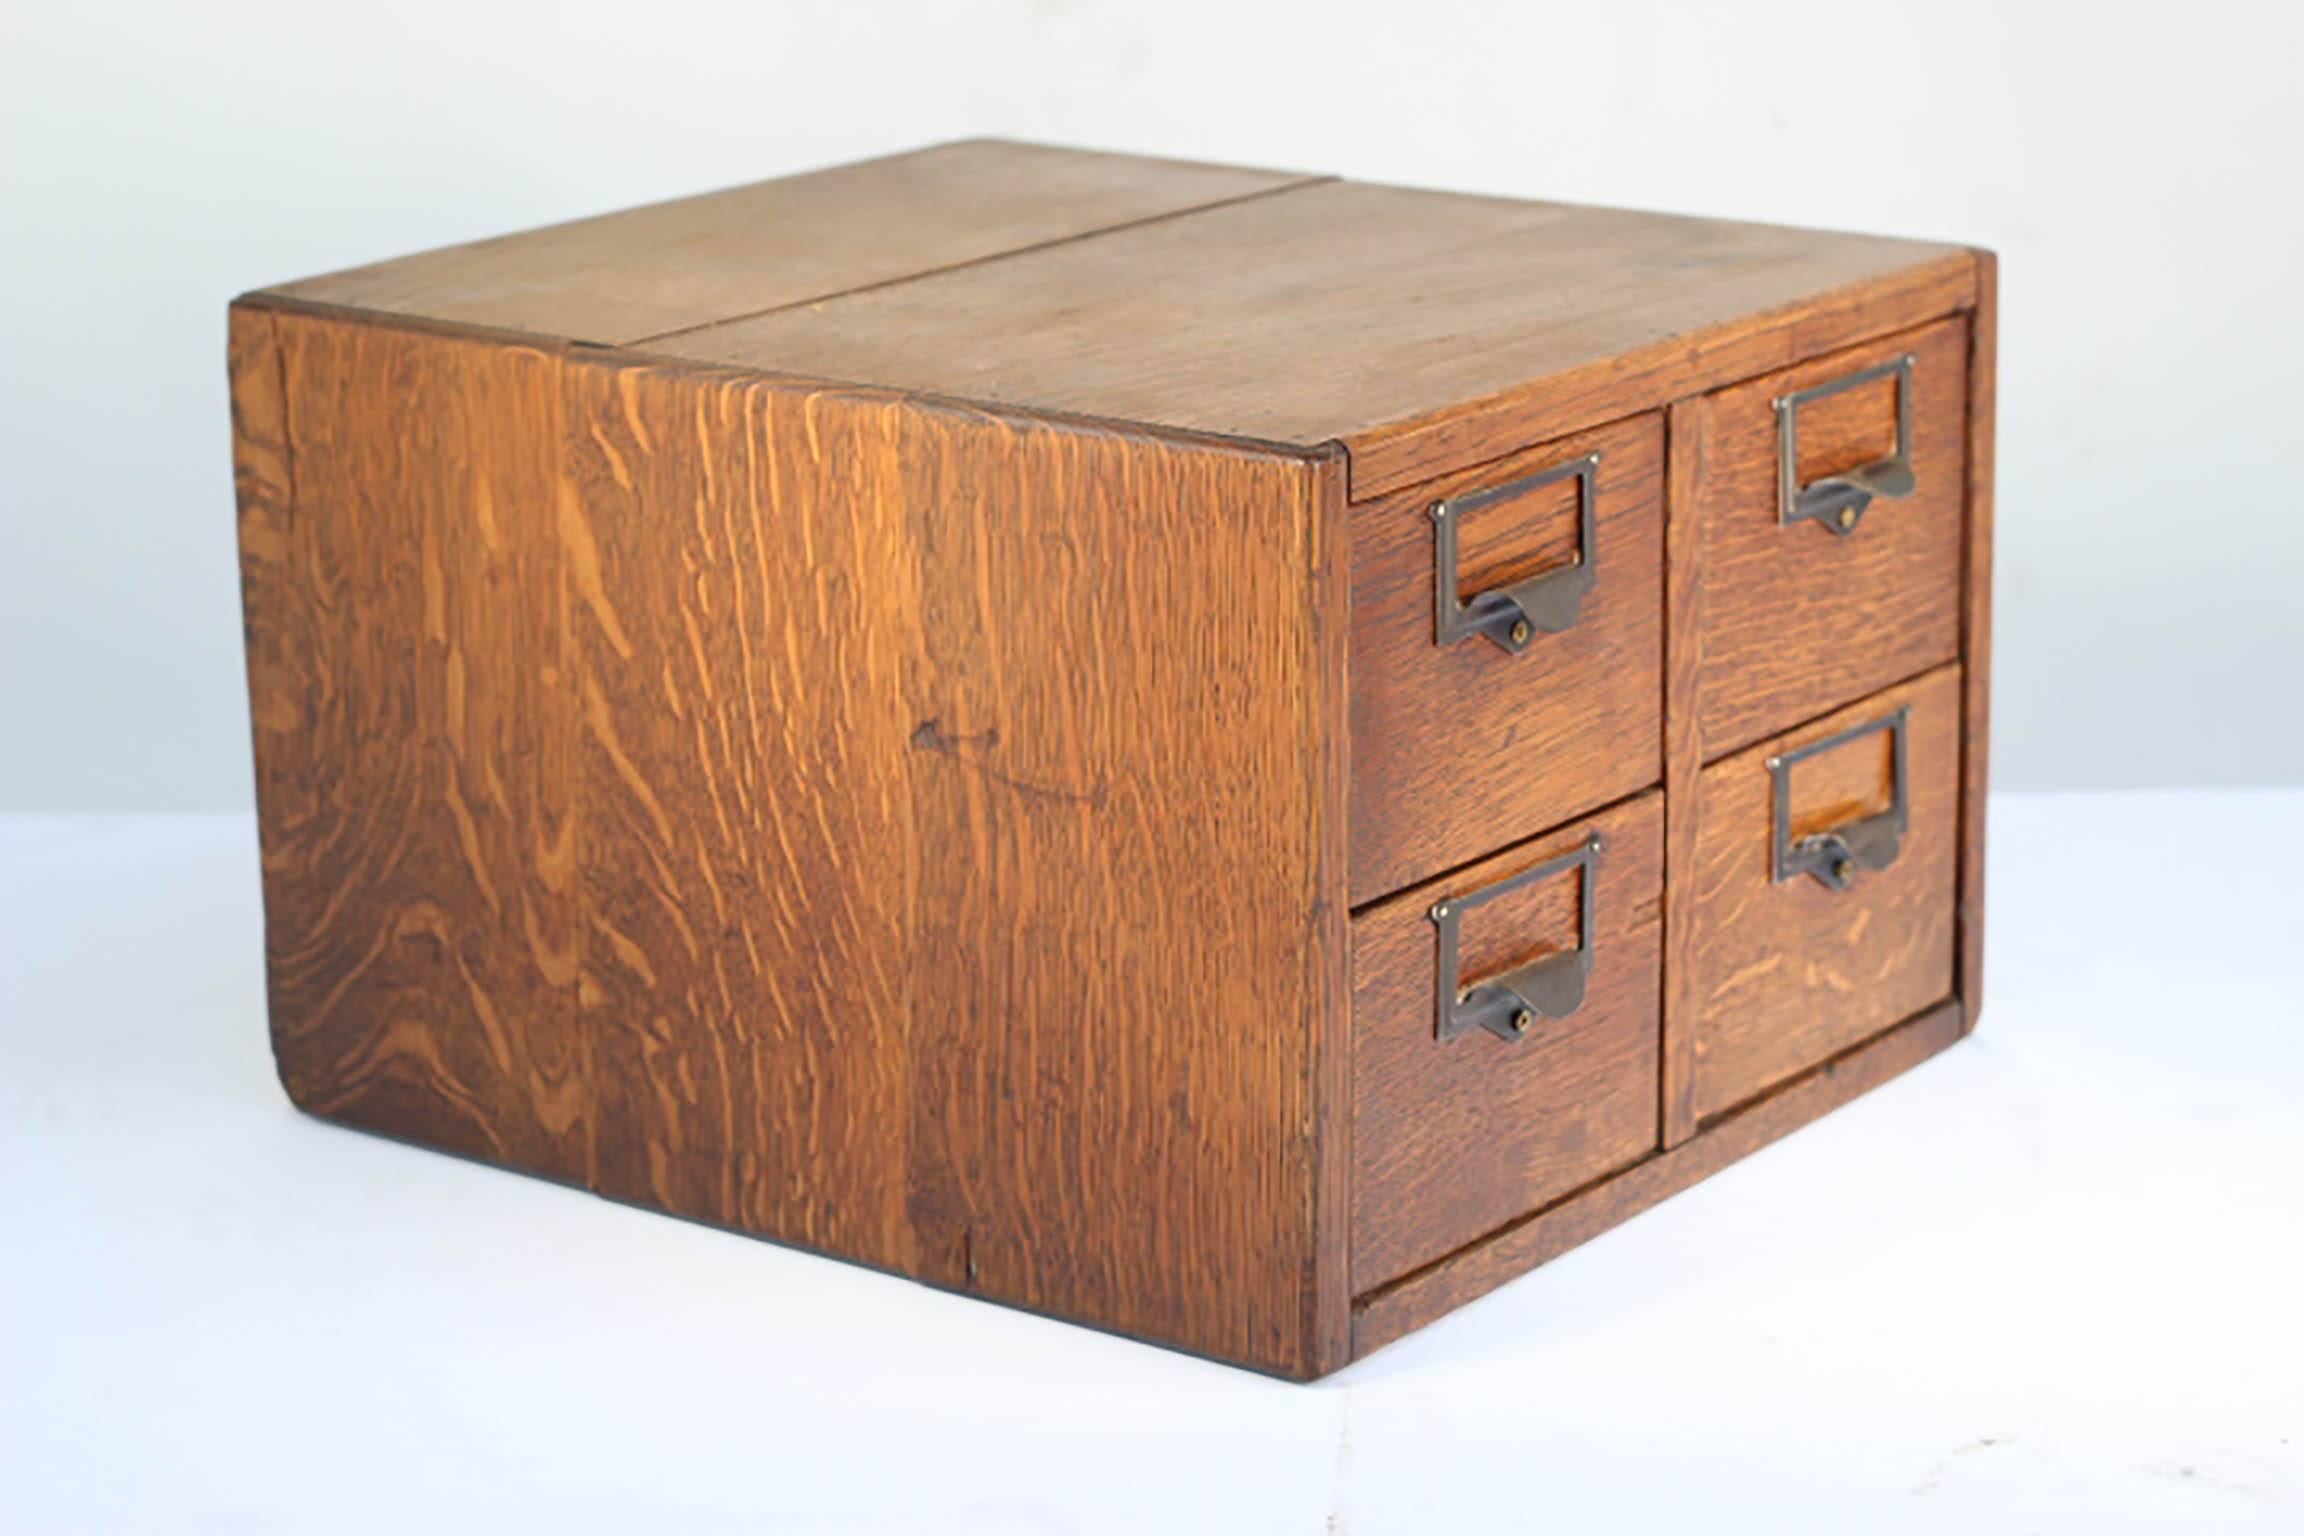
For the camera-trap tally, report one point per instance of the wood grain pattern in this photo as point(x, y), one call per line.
point(1459, 748)
point(644, 272)
point(1797, 618)
point(961, 897)
point(1327, 1299)
point(1128, 874)
point(412, 722)
point(1426, 331)
point(1786, 974)
point(750, 866)
point(920, 818)
point(1455, 1138)
point(1976, 630)
point(1686, 433)
point(1431, 1293)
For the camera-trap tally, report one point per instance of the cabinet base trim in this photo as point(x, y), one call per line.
point(1414, 1300)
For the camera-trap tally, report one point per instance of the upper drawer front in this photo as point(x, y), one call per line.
point(1504, 1038)
point(1829, 498)
point(1522, 688)
point(1823, 887)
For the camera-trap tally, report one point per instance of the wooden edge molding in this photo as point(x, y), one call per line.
point(663, 363)
point(1976, 635)
point(265, 299)
point(1397, 454)
point(1410, 1303)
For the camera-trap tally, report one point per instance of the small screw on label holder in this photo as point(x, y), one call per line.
point(1836, 856)
point(1513, 616)
point(1510, 1005)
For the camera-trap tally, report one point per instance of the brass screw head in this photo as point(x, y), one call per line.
point(1523, 1021)
point(1521, 632)
point(1847, 517)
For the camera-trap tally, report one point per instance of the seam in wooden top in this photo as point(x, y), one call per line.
point(690, 260)
point(985, 260)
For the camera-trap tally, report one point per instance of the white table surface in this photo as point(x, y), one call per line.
point(2051, 1281)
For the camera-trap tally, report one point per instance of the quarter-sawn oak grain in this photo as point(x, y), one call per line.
point(749, 867)
point(897, 710)
point(878, 833)
point(407, 691)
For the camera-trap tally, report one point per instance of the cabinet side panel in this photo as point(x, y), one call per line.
point(1130, 877)
point(742, 596)
point(404, 628)
point(961, 860)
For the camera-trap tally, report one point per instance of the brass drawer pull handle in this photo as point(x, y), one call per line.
point(1839, 501)
point(1872, 842)
point(1548, 603)
point(1509, 1005)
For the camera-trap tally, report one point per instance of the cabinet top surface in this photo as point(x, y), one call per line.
point(1254, 304)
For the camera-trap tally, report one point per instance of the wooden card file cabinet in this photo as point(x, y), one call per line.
point(1234, 757)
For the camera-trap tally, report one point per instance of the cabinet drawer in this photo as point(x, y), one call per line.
point(1467, 737)
point(1824, 887)
point(1477, 1102)
point(1829, 503)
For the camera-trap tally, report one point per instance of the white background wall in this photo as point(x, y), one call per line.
point(2137, 167)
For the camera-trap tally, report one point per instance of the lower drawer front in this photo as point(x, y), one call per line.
point(1823, 887)
point(1476, 1103)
